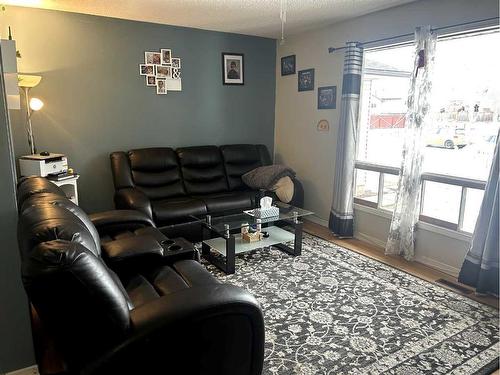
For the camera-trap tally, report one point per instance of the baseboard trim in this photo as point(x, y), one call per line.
point(433, 263)
point(317, 220)
point(32, 370)
point(370, 239)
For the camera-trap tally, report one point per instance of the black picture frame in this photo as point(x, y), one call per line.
point(305, 80)
point(327, 97)
point(288, 65)
point(241, 70)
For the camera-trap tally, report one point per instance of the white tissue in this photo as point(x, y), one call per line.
point(266, 202)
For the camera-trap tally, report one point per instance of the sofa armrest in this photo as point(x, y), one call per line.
point(191, 327)
point(134, 199)
point(114, 221)
point(298, 194)
point(193, 304)
point(131, 253)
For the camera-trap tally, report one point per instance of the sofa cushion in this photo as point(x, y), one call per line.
point(202, 170)
point(194, 274)
point(234, 200)
point(140, 290)
point(166, 280)
point(156, 173)
point(238, 160)
point(175, 210)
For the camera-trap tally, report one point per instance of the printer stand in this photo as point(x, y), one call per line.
point(69, 186)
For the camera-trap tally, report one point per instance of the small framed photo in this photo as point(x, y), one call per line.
point(152, 58)
point(306, 80)
point(166, 56)
point(161, 86)
point(327, 97)
point(288, 65)
point(147, 69)
point(232, 68)
point(163, 71)
point(150, 80)
point(176, 62)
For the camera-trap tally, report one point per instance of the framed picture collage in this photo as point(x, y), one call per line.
point(162, 71)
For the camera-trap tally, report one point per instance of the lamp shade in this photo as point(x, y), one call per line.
point(28, 80)
point(36, 104)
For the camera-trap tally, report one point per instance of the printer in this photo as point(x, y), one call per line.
point(43, 165)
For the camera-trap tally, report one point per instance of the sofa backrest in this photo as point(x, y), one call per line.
point(162, 173)
point(240, 159)
point(64, 276)
point(43, 199)
point(29, 186)
point(154, 171)
point(202, 170)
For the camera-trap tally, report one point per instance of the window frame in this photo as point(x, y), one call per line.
point(464, 183)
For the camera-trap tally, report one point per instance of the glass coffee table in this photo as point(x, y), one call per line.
point(222, 238)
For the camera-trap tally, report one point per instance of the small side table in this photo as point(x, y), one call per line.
point(70, 187)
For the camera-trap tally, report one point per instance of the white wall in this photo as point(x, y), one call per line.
point(312, 153)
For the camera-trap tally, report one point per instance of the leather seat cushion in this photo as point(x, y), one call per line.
point(140, 290)
point(235, 200)
point(166, 280)
point(194, 274)
point(175, 210)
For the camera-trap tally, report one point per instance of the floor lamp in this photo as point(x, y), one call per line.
point(27, 82)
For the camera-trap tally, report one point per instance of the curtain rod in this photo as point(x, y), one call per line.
point(333, 49)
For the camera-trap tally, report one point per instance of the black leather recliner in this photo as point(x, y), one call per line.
point(151, 317)
point(170, 185)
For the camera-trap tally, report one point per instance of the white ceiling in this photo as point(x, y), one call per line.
point(252, 17)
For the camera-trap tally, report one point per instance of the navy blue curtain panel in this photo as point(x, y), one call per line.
point(480, 267)
point(342, 214)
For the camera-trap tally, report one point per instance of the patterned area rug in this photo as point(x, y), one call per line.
point(332, 311)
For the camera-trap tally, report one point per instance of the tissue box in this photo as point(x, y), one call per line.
point(263, 213)
point(252, 237)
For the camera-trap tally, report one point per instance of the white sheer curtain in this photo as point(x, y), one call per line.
point(405, 216)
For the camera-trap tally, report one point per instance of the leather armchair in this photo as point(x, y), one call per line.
point(151, 319)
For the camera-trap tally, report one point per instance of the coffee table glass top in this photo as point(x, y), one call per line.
point(232, 220)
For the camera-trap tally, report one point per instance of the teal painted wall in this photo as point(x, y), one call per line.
point(96, 102)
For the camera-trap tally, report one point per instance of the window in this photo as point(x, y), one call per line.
point(460, 141)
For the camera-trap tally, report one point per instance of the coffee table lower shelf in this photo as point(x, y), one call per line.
point(276, 236)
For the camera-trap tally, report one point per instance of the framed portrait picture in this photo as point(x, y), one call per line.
point(327, 97)
point(152, 58)
point(232, 68)
point(161, 86)
point(150, 80)
point(147, 69)
point(166, 56)
point(288, 65)
point(306, 80)
point(163, 71)
point(176, 62)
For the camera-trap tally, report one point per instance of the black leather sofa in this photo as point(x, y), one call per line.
point(170, 185)
point(152, 316)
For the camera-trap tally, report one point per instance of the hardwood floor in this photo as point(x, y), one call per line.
point(414, 268)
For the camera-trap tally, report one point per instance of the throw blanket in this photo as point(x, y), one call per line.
point(266, 177)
